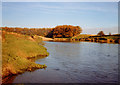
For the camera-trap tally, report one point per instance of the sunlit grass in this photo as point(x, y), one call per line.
point(82, 36)
point(16, 49)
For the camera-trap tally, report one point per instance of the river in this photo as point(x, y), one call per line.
point(80, 62)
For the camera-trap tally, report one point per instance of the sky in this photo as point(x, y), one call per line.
point(60, 0)
point(0, 14)
point(92, 17)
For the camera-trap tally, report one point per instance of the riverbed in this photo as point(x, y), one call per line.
point(78, 62)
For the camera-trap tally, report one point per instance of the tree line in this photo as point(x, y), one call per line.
point(62, 31)
point(28, 31)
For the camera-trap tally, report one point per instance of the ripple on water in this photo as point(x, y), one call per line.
point(82, 62)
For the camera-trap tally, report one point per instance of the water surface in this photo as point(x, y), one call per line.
point(82, 62)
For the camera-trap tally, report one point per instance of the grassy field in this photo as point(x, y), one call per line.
point(16, 49)
point(111, 37)
point(95, 36)
point(82, 36)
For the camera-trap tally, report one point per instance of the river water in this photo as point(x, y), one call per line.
point(81, 62)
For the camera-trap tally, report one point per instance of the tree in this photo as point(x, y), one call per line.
point(101, 33)
point(64, 31)
point(27, 31)
point(109, 33)
point(61, 31)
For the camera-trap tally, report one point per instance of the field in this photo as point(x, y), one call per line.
point(82, 36)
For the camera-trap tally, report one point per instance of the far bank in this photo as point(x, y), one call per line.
point(111, 39)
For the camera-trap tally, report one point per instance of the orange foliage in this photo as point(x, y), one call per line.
point(64, 31)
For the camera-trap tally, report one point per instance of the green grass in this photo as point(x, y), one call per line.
point(81, 36)
point(16, 49)
point(87, 36)
point(111, 37)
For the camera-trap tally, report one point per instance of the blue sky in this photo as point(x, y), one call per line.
point(90, 16)
point(60, 0)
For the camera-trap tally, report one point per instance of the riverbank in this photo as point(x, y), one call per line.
point(19, 52)
point(75, 63)
point(98, 39)
point(87, 38)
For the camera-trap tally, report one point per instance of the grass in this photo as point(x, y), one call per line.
point(82, 36)
point(87, 36)
point(16, 49)
point(112, 37)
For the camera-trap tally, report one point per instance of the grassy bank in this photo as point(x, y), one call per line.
point(82, 36)
point(96, 38)
point(17, 50)
point(114, 39)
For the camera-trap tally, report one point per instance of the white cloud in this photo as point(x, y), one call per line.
point(61, 8)
point(72, 8)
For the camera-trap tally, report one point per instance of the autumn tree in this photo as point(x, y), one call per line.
point(109, 33)
point(64, 31)
point(27, 31)
point(101, 33)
